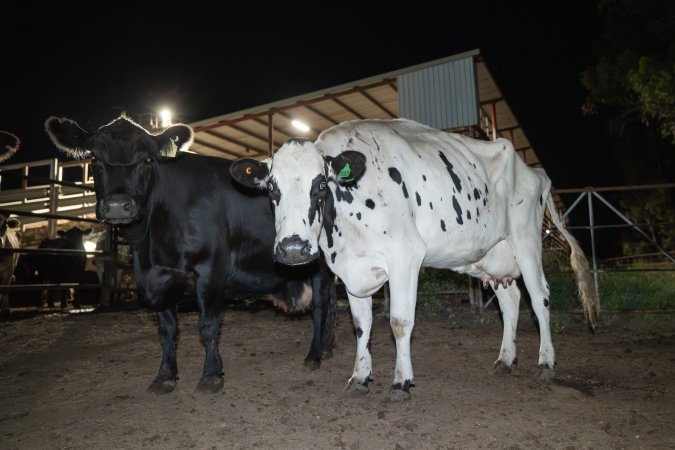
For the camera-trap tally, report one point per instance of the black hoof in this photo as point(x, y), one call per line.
point(501, 368)
point(210, 384)
point(162, 386)
point(545, 373)
point(355, 389)
point(312, 364)
point(399, 392)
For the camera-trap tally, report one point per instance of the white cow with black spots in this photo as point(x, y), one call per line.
point(382, 198)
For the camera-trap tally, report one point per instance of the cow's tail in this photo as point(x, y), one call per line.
point(580, 266)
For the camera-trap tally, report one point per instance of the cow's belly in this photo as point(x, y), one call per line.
point(498, 263)
point(456, 246)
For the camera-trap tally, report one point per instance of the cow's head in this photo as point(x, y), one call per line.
point(9, 144)
point(5, 224)
point(123, 156)
point(300, 182)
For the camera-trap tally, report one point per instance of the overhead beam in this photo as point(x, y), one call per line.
point(249, 148)
point(276, 109)
point(320, 114)
point(216, 148)
point(250, 133)
point(346, 107)
point(378, 104)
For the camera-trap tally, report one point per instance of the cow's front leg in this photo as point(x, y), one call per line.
point(210, 302)
point(167, 377)
point(362, 314)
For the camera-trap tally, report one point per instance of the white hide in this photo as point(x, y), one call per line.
point(477, 209)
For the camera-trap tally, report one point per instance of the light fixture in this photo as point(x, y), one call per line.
point(300, 126)
point(165, 115)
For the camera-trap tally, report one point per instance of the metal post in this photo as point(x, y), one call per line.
point(635, 227)
point(270, 134)
point(53, 197)
point(595, 261)
point(106, 285)
point(494, 121)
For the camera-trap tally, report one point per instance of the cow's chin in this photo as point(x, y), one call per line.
point(296, 259)
point(126, 220)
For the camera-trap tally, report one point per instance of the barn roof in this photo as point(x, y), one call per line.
point(248, 133)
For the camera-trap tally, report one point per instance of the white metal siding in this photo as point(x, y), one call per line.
point(441, 96)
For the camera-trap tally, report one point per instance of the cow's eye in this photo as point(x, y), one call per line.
point(148, 160)
point(93, 158)
point(270, 187)
point(322, 185)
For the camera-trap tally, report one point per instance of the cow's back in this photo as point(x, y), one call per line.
point(448, 188)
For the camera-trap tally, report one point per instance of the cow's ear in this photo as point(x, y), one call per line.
point(251, 172)
point(348, 166)
point(13, 222)
point(175, 139)
point(67, 135)
point(9, 144)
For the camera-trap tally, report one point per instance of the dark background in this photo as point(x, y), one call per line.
point(90, 62)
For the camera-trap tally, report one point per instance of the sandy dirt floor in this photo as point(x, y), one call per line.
point(79, 381)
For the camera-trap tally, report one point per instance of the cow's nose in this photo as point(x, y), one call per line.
point(293, 250)
point(118, 208)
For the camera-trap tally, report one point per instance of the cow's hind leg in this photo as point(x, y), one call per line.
point(509, 303)
point(167, 377)
point(403, 280)
point(362, 314)
point(528, 255)
point(324, 301)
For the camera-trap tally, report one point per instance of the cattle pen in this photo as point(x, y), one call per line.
point(45, 194)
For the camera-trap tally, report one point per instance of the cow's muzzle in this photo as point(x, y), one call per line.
point(117, 208)
point(293, 251)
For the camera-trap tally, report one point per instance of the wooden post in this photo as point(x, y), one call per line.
point(475, 294)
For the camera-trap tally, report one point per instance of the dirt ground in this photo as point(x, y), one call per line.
point(79, 381)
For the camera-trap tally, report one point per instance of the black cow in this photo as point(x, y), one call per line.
point(193, 232)
point(62, 268)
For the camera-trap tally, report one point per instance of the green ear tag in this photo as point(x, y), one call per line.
point(345, 172)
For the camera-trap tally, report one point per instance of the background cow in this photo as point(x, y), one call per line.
point(9, 238)
point(428, 198)
point(61, 268)
point(9, 144)
point(193, 233)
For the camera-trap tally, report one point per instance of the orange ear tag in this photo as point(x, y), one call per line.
point(248, 170)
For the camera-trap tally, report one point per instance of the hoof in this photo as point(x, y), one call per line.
point(312, 364)
point(210, 384)
point(162, 386)
point(501, 368)
point(398, 395)
point(327, 354)
point(399, 392)
point(545, 373)
point(355, 389)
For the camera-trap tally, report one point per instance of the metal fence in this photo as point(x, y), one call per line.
point(48, 192)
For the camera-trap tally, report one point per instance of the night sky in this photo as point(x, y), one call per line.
point(203, 60)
